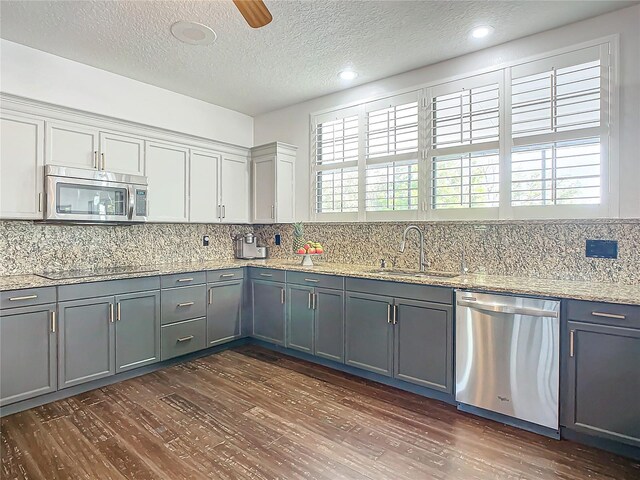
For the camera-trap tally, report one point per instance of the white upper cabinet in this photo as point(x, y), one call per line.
point(167, 168)
point(71, 145)
point(204, 204)
point(273, 177)
point(121, 153)
point(21, 166)
point(234, 189)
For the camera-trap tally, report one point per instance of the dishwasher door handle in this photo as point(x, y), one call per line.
point(493, 307)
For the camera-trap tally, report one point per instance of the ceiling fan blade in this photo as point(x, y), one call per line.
point(255, 12)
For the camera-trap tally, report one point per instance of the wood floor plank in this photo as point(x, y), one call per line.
point(255, 414)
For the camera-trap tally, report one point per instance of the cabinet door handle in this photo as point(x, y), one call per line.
point(266, 274)
point(282, 296)
point(40, 202)
point(118, 312)
point(210, 296)
point(185, 339)
point(95, 160)
point(609, 315)
point(395, 314)
point(273, 211)
point(104, 161)
point(224, 211)
point(25, 297)
point(185, 279)
point(53, 321)
point(571, 342)
point(311, 280)
point(111, 312)
point(315, 300)
point(389, 313)
point(227, 275)
point(309, 301)
point(186, 304)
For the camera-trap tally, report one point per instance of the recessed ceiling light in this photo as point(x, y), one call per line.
point(193, 33)
point(347, 75)
point(481, 31)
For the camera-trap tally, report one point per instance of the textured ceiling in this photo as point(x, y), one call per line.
point(294, 58)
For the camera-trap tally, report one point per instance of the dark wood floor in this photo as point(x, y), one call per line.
point(251, 413)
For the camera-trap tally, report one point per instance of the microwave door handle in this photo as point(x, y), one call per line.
point(132, 201)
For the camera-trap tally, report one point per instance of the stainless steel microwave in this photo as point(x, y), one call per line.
point(94, 196)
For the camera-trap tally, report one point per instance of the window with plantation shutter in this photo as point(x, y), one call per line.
point(391, 154)
point(559, 127)
point(335, 138)
point(463, 134)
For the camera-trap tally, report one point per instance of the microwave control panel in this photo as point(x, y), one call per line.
point(141, 202)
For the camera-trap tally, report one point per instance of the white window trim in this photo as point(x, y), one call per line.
point(610, 152)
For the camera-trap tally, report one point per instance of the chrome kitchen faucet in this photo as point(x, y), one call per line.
point(423, 263)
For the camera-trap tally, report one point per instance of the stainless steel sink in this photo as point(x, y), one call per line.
point(413, 273)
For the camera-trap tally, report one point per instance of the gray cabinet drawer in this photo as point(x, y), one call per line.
point(402, 290)
point(604, 313)
point(183, 303)
point(316, 280)
point(267, 274)
point(107, 287)
point(183, 337)
point(27, 297)
point(183, 279)
point(225, 275)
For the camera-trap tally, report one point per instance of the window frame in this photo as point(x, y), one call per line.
point(608, 208)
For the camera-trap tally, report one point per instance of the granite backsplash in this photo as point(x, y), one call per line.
point(31, 247)
point(553, 249)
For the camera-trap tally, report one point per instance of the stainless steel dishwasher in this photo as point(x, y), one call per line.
point(507, 356)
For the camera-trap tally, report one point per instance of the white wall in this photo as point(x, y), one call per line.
point(291, 124)
point(41, 76)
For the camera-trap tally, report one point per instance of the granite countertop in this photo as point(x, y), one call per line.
point(602, 292)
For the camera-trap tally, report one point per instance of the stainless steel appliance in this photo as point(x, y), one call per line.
point(247, 247)
point(507, 356)
point(79, 195)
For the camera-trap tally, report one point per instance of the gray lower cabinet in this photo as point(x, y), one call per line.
point(329, 324)
point(86, 340)
point(423, 344)
point(224, 311)
point(27, 352)
point(603, 382)
point(300, 318)
point(369, 333)
point(268, 307)
point(137, 330)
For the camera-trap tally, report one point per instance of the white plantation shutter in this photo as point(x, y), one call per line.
point(559, 111)
point(391, 154)
point(463, 135)
point(335, 140)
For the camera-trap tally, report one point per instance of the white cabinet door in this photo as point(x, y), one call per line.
point(121, 153)
point(263, 176)
point(204, 203)
point(234, 189)
point(285, 187)
point(167, 168)
point(71, 145)
point(21, 167)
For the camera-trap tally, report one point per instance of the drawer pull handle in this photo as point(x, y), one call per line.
point(26, 297)
point(227, 275)
point(186, 304)
point(311, 280)
point(609, 315)
point(185, 339)
point(185, 279)
point(266, 274)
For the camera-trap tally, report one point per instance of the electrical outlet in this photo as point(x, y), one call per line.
point(278, 239)
point(205, 241)
point(602, 249)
